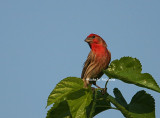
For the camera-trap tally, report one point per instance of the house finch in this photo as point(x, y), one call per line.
point(97, 60)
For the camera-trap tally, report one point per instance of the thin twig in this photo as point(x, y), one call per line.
point(107, 83)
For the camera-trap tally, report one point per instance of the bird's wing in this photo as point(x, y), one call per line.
point(86, 64)
point(109, 56)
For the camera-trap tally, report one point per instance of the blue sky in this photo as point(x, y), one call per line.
point(42, 42)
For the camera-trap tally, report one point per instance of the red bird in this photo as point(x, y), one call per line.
point(97, 60)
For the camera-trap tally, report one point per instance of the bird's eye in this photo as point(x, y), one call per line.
point(93, 36)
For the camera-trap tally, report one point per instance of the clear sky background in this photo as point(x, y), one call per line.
point(42, 42)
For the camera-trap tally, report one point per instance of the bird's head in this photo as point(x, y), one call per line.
point(94, 39)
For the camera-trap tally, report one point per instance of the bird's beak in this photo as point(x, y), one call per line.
point(88, 40)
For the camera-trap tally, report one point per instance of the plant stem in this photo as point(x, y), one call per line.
point(118, 106)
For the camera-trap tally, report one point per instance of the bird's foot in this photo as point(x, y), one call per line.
point(104, 90)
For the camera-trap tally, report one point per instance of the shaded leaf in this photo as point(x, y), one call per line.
point(98, 104)
point(59, 110)
point(128, 70)
point(102, 103)
point(64, 88)
point(142, 104)
point(119, 98)
point(120, 107)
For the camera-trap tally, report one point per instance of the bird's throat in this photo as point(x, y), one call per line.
point(99, 49)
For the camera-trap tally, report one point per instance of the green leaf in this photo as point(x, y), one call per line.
point(79, 101)
point(128, 70)
point(70, 94)
point(119, 98)
point(142, 104)
point(59, 110)
point(119, 106)
point(101, 103)
point(64, 88)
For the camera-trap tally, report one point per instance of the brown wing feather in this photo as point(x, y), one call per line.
point(109, 56)
point(86, 64)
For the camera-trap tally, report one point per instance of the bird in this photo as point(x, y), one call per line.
point(98, 60)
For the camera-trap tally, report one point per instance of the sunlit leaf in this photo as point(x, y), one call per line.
point(64, 88)
point(79, 101)
point(128, 70)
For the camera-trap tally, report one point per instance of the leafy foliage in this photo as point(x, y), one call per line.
point(71, 100)
point(142, 104)
point(129, 70)
point(59, 110)
point(78, 102)
point(102, 103)
point(64, 88)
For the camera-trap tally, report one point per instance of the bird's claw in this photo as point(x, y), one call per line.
point(103, 91)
